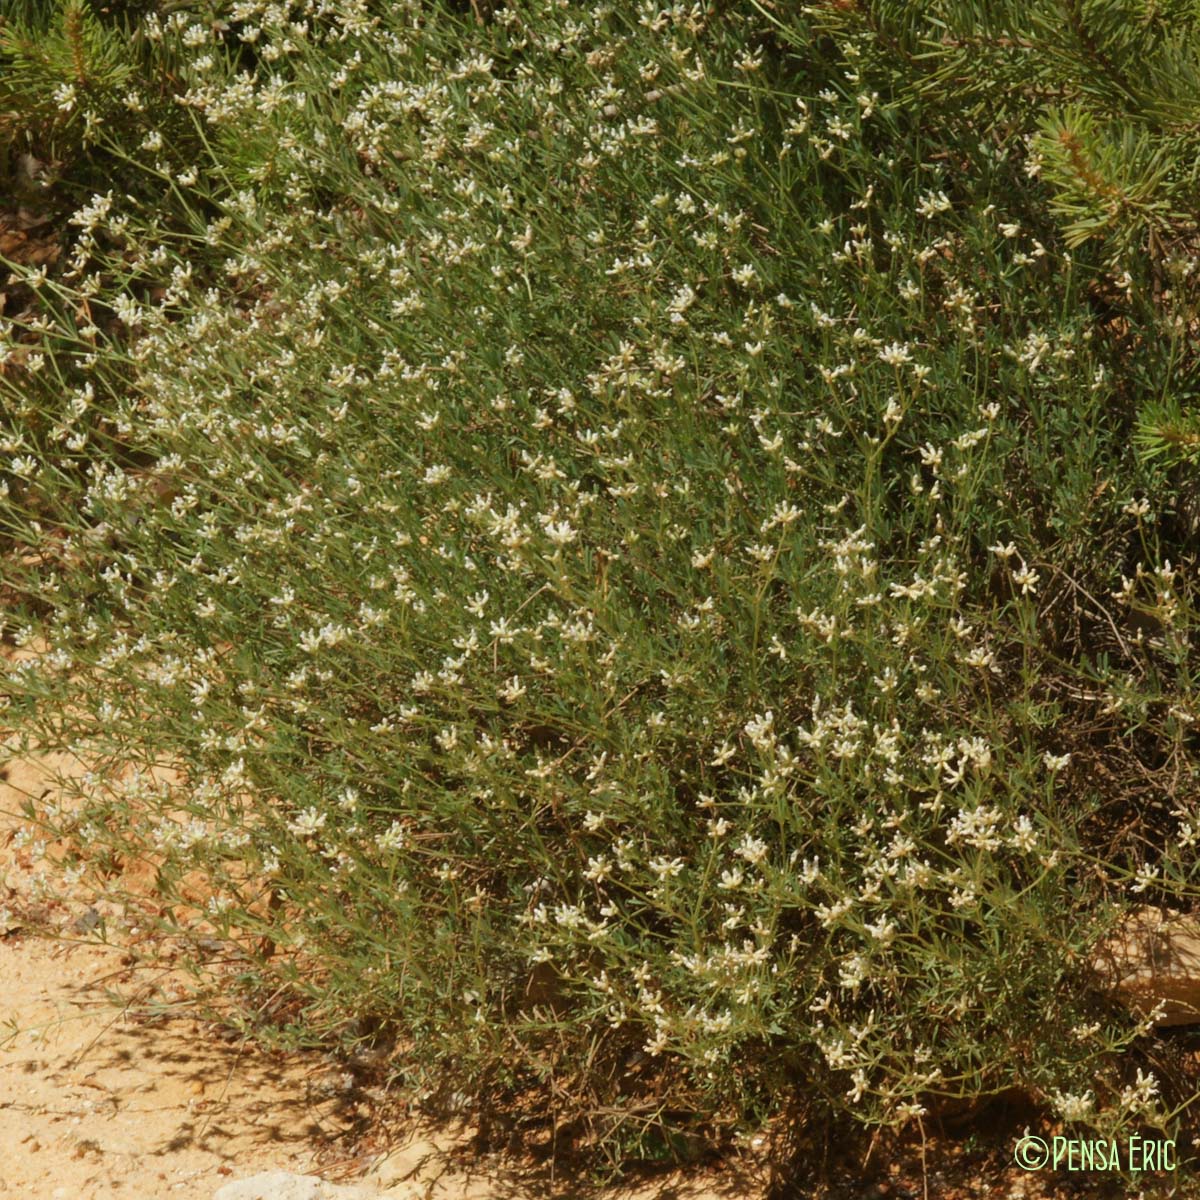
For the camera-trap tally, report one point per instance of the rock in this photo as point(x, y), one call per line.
point(283, 1185)
point(1154, 958)
point(423, 1168)
point(416, 1162)
point(86, 921)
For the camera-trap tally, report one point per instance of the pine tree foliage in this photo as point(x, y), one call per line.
point(1109, 92)
point(63, 72)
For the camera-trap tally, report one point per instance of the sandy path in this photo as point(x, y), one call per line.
point(98, 1100)
point(94, 1103)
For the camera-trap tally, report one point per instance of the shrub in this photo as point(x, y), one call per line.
point(629, 532)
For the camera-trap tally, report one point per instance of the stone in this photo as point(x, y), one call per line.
point(284, 1185)
point(1154, 959)
point(424, 1168)
point(417, 1162)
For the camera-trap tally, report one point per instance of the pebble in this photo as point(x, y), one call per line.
point(283, 1185)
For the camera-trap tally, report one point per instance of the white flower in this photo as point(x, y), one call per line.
point(308, 822)
point(931, 204)
point(1027, 579)
point(664, 867)
point(598, 869)
point(745, 275)
point(896, 354)
point(723, 755)
point(979, 657)
point(852, 973)
point(393, 838)
point(436, 474)
point(683, 299)
point(1141, 1095)
point(90, 216)
point(561, 533)
point(1055, 762)
point(883, 931)
point(759, 729)
point(1071, 1107)
point(752, 849)
point(1023, 836)
point(1146, 875)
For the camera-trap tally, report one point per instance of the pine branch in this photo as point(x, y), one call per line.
point(73, 21)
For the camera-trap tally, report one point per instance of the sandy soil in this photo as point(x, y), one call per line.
point(96, 1103)
point(98, 1096)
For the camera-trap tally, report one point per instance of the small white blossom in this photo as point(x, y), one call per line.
point(561, 533)
point(746, 275)
point(1072, 1107)
point(1026, 579)
point(933, 203)
point(896, 354)
point(307, 823)
point(1146, 875)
